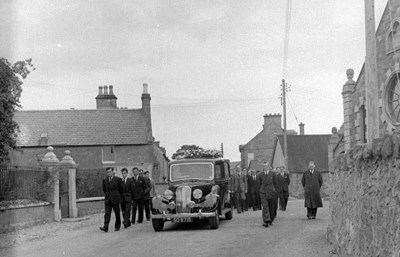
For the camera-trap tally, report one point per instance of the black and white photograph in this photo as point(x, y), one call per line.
point(200, 128)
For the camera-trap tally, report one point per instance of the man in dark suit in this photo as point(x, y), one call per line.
point(139, 186)
point(126, 195)
point(282, 188)
point(266, 182)
point(147, 194)
point(251, 189)
point(312, 182)
point(112, 187)
point(285, 187)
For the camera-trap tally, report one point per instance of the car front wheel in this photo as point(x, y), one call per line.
point(214, 221)
point(158, 224)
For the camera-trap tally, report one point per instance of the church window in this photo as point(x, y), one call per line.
point(392, 98)
point(393, 38)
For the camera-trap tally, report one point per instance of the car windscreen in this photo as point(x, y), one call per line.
point(183, 171)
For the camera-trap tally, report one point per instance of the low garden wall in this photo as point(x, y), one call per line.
point(365, 200)
point(87, 206)
point(15, 217)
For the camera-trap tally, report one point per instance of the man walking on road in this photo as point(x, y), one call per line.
point(283, 180)
point(126, 195)
point(239, 188)
point(139, 187)
point(147, 195)
point(266, 182)
point(112, 188)
point(312, 182)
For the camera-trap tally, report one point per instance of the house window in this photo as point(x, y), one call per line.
point(108, 154)
point(250, 156)
point(156, 170)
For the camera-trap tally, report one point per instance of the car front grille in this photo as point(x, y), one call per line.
point(183, 197)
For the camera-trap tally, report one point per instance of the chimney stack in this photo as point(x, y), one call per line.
point(273, 123)
point(104, 100)
point(301, 126)
point(147, 110)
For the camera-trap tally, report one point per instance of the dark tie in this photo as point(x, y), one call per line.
point(109, 180)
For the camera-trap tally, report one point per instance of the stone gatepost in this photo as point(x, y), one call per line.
point(51, 162)
point(347, 91)
point(68, 163)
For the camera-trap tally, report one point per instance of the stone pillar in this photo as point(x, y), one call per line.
point(347, 107)
point(51, 162)
point(371, 75)
point(68, 163)
point(333, 142)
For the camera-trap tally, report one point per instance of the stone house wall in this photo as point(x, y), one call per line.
point(125, 156)
point(365, 200)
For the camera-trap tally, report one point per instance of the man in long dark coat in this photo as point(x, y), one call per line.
point(112, 187)
point(312, 182)
point(266, 182)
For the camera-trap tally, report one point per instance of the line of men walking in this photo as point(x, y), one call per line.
point(267, 190)
point(131, 194)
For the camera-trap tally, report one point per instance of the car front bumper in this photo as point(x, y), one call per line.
point(199, 215)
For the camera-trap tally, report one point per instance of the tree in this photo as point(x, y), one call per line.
point(11, 77)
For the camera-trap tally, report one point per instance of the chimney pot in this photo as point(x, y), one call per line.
point(301, 126)
point(145, 88)
point(100, 90)
point(110, 90)
point(105, 90)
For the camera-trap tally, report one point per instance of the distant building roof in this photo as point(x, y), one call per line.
point(256, 165)
point(81, 127)
point(305, 148)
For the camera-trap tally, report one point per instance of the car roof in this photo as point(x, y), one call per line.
point(198, 160)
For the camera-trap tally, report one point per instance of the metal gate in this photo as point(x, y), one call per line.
point(64, 198)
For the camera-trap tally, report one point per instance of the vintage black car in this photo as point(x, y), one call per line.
point(197, 189)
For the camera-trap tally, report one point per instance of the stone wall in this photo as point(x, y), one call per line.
point(365, 200)
point(23, 216)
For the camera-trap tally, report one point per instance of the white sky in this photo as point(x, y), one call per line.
point(213, 67)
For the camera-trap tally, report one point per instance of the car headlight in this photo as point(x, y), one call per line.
point(197, 193)
point(168, 194)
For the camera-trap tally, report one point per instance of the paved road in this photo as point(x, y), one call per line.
point(291, 235)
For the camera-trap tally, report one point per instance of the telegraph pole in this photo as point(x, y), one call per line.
point(285, 58)
point(284, 124)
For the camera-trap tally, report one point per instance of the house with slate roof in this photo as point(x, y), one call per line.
point(105, 137)
point(300, 150)
point(260, 148)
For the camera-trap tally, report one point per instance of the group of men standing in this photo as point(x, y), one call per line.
point(126, 194)
point(265, 189)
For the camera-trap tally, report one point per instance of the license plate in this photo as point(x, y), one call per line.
point(184, 219)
